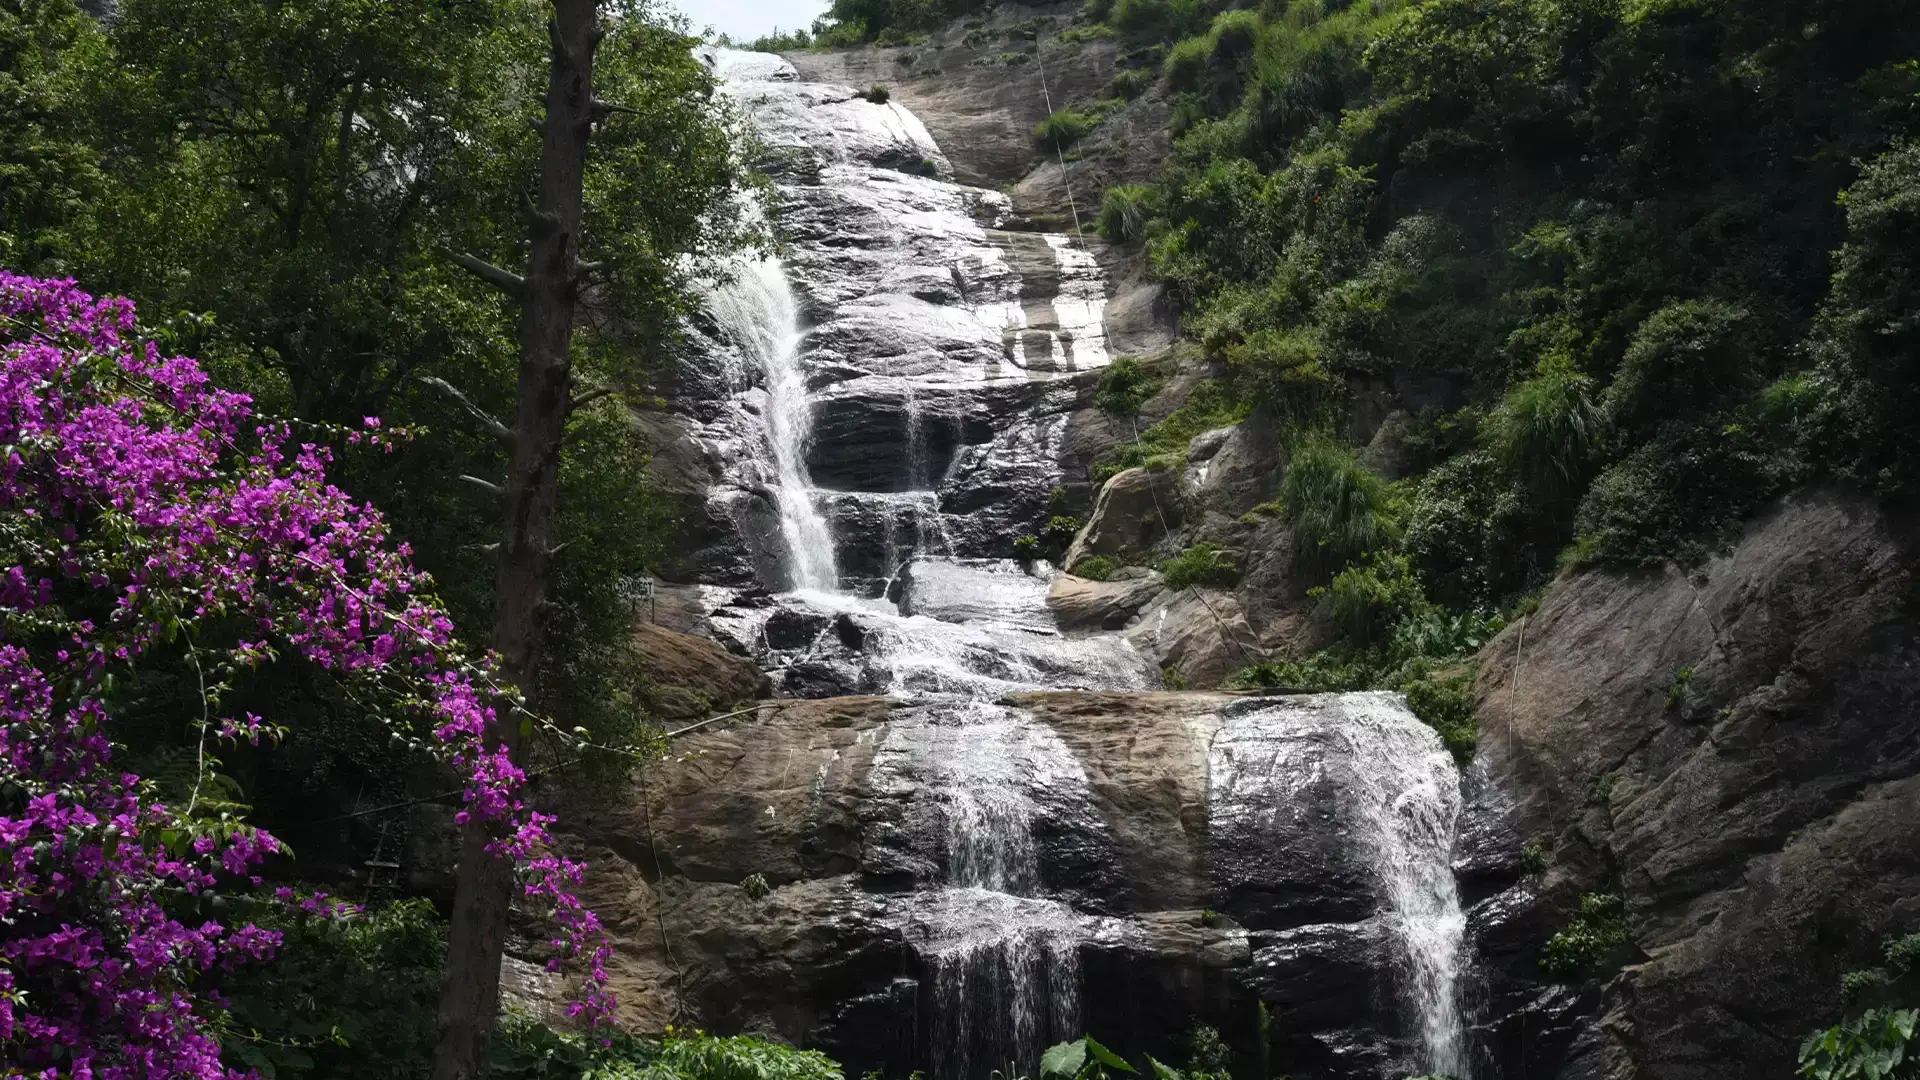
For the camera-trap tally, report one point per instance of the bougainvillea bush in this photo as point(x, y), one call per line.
point(146, 518)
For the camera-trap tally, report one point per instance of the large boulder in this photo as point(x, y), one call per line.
point(1736, 750)
point(1080, 605)
point(688, 677)
point(1200, 635)
point(1133, 513)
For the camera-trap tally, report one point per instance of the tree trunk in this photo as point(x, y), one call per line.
point(484, 887)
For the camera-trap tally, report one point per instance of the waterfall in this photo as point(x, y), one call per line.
point(1004, 959)
point(758, 311)
point(1361, 775)
point(1406, 802)
point(949, 351)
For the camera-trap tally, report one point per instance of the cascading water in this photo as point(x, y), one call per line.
point(1406, 799)
point(935, 320)
point(1396, 803)
point(757, 309)
point(1004, 959)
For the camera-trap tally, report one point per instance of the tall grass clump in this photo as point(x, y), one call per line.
point(1341, 511)
point(1546, 430)
point(1125, 211)
point(1064, 128)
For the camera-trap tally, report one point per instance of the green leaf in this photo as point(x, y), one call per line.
point(1107, 1057)
point(1163, 1071)
point(1065, 1059)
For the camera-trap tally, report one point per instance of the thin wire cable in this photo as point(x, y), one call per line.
point(1059, 152)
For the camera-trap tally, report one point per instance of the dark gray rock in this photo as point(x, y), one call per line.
point(1737, 751)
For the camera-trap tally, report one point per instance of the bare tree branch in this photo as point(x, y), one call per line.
point(590, 397)
point(604, 109)
point(487, 486)
point(506, 281)
point(494, 427)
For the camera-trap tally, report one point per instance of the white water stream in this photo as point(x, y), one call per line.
point(758, 311)
point(1397, 796)
point(1003, 957)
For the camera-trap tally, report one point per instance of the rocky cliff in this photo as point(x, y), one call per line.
point(955, 866)
point(1736, 752)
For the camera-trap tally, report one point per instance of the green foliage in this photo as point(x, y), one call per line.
point(1873, 1046)
point(1210, 405)
point(1124, 213)
point(781, 42)
point(1028, 547)
point(1858, 983)
point(529, 1051)
point(1125, 386)
point(1075, 35)
point(1535, 857)
point(48, 172)
point(1130, 84)
point(1161, 20)
point(341, 998)
point(1082, 1059)
point(1646, 323)
point(877, 94)
point(1868, 334)
point(1341, 512)
point(1097, 567)
point(290, 177)
point(1680, 689)
point(1064, 128)
point(1903, 954)
point(755, 886)
point(1060, 531)
point(1598, 926)
point(1372, 596)
point(1446, 705)
point(1685, 357)
point(888, 22)
point(1203, 564)
point(1545, 432)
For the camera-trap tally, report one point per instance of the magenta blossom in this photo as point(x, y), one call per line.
point(141, 508)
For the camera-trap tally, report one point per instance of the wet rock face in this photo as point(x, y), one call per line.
point(942, 352)
point(1153, 860)
point(1737, 753)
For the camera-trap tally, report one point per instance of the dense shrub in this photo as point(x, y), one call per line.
point(1203, 564)
point(1370, 598)
point(877, 94)
point(1867, 339)
point(1446, 706)
point(1341, 512)
point(1064, 128)
point(531, 1051)
point(1684, 359)
point(1546, 431)
point(1124, 213)
point(1598, 926)
point(345, 997)
point(1130, 84)
point(1125, 386)
point(1162, 20)
point(1097, 567)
